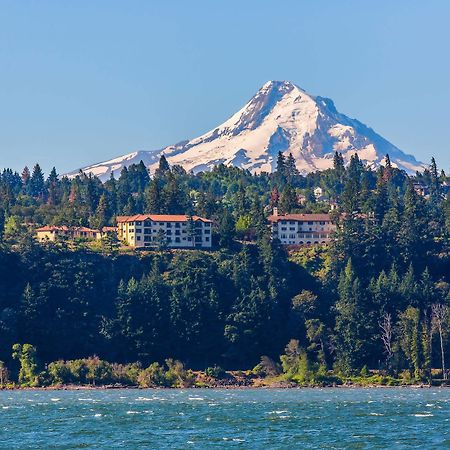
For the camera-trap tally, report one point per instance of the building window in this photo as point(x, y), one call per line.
point(177, 225)
point(138, 238)
point(207, 231)
point(207, 239)
point(138, 230)
point(177, 239)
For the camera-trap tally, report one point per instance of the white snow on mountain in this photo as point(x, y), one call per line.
point(280, 117)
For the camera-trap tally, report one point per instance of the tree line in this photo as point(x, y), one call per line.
point(377, 297)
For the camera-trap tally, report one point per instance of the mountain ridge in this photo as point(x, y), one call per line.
point(279, 117)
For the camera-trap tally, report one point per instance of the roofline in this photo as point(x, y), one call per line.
point(300, 217)
point(161, 218)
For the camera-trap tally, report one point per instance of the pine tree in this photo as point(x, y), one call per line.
point(435, 187)
point(338, 163)
point(101, 213)
point(52, 187)
point(26, 177)
point(352, 330)
point(388, 171)
point(281, 171)
point(414, 234)
point(226, 230)
point(291, 168)
point(288, 199)
point(163, 168)
point(153, 198)
point(37, 185)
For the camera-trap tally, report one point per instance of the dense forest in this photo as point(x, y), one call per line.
point(377, 297)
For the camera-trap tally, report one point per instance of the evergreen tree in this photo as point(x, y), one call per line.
point(153, 198)
point(37, 185)
point(26, 177)
point(288, 199)
point(352, 330)
point(52, 187)
point(163, 168)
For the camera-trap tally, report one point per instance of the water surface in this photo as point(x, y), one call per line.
point(204, 418)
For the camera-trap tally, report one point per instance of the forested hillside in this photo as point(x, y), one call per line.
point(378, 296)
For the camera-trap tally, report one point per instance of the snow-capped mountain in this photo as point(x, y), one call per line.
point(280, 117)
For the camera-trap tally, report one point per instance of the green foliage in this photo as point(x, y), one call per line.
point(390, 256)
point(153, 376)
point(215, 372)
point(26, 355)
point(267, 367)
point(296, 364)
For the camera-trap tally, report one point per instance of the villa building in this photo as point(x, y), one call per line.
point(173, 231)
point(53, 233)
point(301, 229)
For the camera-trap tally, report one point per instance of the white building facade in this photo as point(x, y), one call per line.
point(302, 229)
point(173, 231)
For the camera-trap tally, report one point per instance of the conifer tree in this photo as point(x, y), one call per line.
point(37, 185)
point(352, 337)
point(288, 199)
point(153, 198)
point(26, 177)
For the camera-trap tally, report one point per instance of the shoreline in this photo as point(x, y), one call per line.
point(220, 387)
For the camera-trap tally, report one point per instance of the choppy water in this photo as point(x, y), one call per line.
point(285, 419)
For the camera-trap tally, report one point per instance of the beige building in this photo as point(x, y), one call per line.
point(175, 231)
point(302, 229)
point(53, 233)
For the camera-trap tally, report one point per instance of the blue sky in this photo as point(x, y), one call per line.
point(84, 81)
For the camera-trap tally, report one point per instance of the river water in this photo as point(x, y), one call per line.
point(206, 418)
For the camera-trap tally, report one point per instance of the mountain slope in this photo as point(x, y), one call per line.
point(280, 117)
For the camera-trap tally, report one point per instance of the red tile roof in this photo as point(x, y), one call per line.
point(161, 218)
point(65, 228)
point(301, 217)
point(53, 228)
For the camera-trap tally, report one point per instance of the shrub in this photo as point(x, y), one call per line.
point(59, 372)
point(215, 372)
point(296, 364)
point(267, 367)
point(177, 376)
point(152, 376)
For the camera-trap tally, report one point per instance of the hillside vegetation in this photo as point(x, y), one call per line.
point(375, 299)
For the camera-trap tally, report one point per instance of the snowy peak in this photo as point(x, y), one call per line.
point(279, 117)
